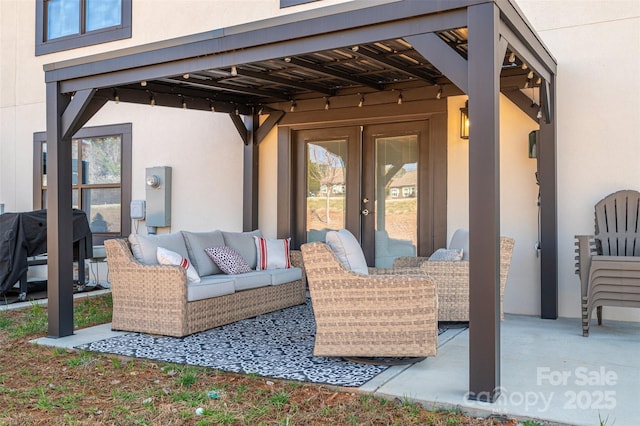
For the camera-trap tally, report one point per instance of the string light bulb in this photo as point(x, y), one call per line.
point(184, 104)
point(524, 66)
point(185, 76)
point(116, 98)
point(237, 110)
point(512, 57)
point(439, 94)
point(361, 102)
point(234, 71)
point(530, 75)
point(143, 83)
point(326, 104)
point(400, 99)
point(292, 108)
point(152, 102)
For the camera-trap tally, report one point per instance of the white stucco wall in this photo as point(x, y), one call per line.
point(598, 105)
point(204, 151)
point(268, 176)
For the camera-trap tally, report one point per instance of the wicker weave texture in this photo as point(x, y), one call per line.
point(452, 279)
point(153, 298)
point(369, 315)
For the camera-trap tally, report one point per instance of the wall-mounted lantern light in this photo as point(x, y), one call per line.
point(464, 121)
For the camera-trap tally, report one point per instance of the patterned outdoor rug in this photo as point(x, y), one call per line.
point(278, 344)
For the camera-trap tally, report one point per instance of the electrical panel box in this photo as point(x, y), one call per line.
point(137, 209)
point(158, 194)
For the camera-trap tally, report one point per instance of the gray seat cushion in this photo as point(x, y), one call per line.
point(283, 276)
point(252, 279)
point(210, 286)
point(196, 242)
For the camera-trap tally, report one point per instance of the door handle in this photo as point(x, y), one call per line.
point(365, 212)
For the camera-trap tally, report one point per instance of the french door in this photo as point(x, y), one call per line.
point(373, 180)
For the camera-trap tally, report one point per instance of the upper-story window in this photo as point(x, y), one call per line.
point(287, 3)
point(67, 24)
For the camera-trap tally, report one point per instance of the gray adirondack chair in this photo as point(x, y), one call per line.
point(608, 263)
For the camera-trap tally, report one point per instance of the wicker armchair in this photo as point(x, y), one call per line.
point(369, 315)
point(452, 279)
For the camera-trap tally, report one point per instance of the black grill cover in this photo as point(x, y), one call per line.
point(25, 234)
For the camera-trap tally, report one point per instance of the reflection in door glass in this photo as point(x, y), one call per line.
point(396, 213)
point(326, 187)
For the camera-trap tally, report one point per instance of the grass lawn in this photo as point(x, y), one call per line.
point(42, 385)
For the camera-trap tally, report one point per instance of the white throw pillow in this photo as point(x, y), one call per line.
point(272, 254)
point(446, 255)
point(348, 250)
point(168, 257)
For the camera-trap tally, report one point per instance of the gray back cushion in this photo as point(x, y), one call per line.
point(196, 243)
point(460, 241)
point(348, 251)
point(145, 247)
point(243, 243)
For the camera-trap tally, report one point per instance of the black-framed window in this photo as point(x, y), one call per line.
point(101, 177)
point(68, 24)
point(287, 3)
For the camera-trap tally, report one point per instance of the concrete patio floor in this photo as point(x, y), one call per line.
point(550, 373)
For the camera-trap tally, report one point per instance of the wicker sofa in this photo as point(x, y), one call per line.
point(158, 299)
point(452, 279)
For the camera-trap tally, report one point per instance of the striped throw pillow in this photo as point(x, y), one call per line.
point(272, 253)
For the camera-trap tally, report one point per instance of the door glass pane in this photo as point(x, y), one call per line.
point(396, 206)
point(103, 14)
point(63, 18)
point(326, 187)
point(102, 206)
point(101, 160)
